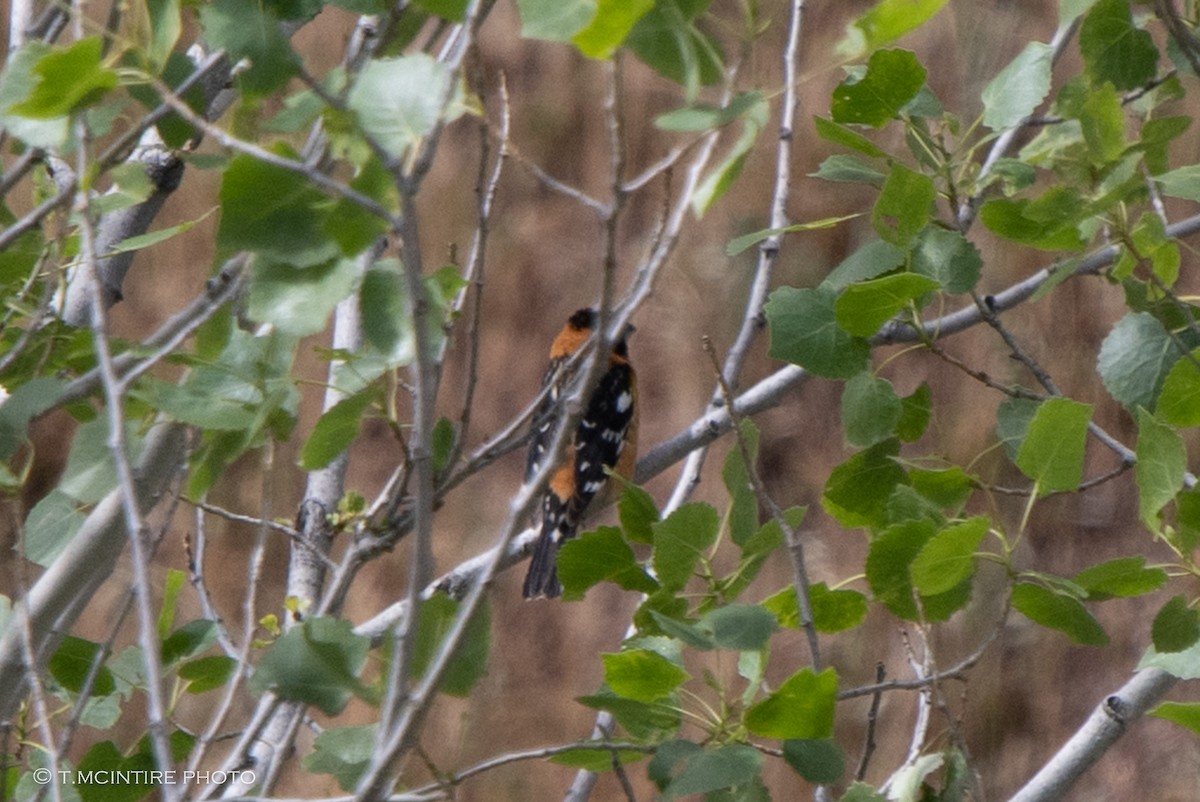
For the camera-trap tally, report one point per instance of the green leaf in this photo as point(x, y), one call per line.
point(1157, 135)
point(400, 100)
point(915, 410)
point(1114, 49)
point(343, 752)
point(861, 792)
point(1179, 401)
point(948, 258)
point(804, 331)
point(1187, 509)
point(171, 588)
point(1185, 714)
point(892, 79)
point(836, 610)
point(103, 761)
point(739, 244)
point(1102, 119)
point(141, 241)
point(273, 211)
point(1060, 612)
point(336, 428)
point(839, 134)
point(1160, 468)
point(72, 662)
point(756, 549)
point(555, 20)
point(250, 31)
point(1012, 422)
point(1135, 358)
point(189, 640)
point(247, 388)
point(1019, 88)
point(207, 673)
point(453, 10)
point(857, 491)
point(864, 307)
point(596, 760)
point(1176, 627)
point(442, 440)
point(165, 27)
point(17, 82)
point(599, 556)
point(667, 40)
point(638, 514)
point(469, 659)
point(1183, 182)
point(685, 631)
point(889, 562)
point(844, 168)
point(1184, 664)
point(680, 540)
point(743, 502)
point(51, 526)
point(870, 410)
point(1123, 577)
point(722, 176)
point(820, 761)
point(886, 22)
point(607, 30)
point(1047, 222)
point(22, 405)
point(903, 206)
point(709, 770)
point(298, 302)
point(948, 558)
point(315, 663)
point(802, 707)
point(906, 504)
point(353, 227)
point(702, 117)
point(745, 627)
point(383, 299)
point(871, 260)
point(69, 79)
point(1052, 452)
point(645, 720)
point(833, 610)
point(91, 473)
point(642, 675)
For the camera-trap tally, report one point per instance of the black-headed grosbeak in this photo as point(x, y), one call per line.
point(605, 440)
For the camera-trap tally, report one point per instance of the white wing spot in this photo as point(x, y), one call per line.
point(624, 401)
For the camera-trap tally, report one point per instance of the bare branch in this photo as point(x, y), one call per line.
point(1108, 722)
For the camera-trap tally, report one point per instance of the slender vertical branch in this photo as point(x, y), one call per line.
point(134, 524)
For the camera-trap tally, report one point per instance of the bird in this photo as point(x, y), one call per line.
point(605, 439)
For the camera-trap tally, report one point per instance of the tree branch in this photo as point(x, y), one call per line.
point(1108, 722)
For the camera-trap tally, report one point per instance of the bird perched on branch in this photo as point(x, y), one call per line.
point(605, 440)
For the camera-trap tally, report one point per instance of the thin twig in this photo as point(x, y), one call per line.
point(794, 544)
point(872, 717)
point(134, 523)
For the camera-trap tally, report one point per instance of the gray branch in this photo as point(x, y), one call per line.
point(1108, 722)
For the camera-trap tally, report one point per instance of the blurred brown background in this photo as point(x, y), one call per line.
point(1032, 688)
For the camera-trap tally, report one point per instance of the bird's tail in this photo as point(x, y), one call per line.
point(541, 581)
